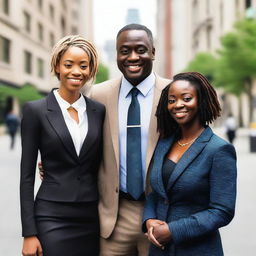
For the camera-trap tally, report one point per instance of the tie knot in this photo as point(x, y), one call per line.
point(134, 91)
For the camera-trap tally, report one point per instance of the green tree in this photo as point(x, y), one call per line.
point(103, 74)
point(204, 63)
point(237, 61)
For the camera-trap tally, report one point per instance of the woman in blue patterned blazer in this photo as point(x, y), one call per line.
point(193, 175)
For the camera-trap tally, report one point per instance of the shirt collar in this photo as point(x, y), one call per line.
point(144, 87)
point(79, 105)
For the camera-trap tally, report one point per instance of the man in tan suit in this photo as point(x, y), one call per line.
point(120, 213)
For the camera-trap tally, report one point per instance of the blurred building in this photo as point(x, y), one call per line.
point(29, 29)
point(187, 27)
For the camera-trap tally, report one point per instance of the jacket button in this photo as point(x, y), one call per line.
point(117, 189)
point(78, 178)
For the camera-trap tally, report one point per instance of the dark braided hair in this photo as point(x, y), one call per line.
point(208, 105)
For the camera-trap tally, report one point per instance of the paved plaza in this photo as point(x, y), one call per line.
point(239, 238)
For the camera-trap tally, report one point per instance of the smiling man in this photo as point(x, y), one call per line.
point(130, 136)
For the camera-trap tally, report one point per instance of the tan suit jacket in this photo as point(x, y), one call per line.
point(107, 93)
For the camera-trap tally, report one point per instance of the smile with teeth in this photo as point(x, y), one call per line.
point(134, 67)
point(180, 114)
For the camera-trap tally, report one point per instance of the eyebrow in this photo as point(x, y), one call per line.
point(82, 61)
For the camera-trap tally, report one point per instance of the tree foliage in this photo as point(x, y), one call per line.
point(204, 63)
point(103, 74)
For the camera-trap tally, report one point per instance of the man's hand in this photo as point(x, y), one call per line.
point(41, 170)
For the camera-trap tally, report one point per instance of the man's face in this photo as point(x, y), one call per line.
point(135, 55)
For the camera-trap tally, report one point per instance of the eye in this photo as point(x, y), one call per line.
point(187, 99)
point(67, 65)
point(84, 67)
point(124, 51)
point(141, 50)
point(171, 101)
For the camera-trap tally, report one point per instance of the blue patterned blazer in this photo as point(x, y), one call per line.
point(200, 195)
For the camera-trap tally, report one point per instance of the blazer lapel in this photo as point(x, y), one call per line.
point(55, 117)
point(192, 152)
point(88, 141)
point(162, 149)
point(112, 105)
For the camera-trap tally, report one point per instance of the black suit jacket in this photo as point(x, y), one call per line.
point(68, 177)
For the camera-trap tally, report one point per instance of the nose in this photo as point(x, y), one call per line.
point(76, 71)
point(133, 56)
point(179, 104)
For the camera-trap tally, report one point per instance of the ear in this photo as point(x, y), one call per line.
point(153, 53)
point(57, 69)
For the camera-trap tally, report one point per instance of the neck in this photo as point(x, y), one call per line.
point(191, 132)
point(69, 96)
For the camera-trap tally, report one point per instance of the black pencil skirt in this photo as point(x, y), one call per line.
point(68, 229)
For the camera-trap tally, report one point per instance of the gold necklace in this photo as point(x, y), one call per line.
point(185, 144)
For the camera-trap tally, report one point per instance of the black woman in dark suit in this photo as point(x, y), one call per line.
point(66, 128)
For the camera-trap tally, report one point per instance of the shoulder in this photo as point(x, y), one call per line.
point(105, 87)
point(95, 104)
point(35, 105)
point(161, 82)
point(218, 145)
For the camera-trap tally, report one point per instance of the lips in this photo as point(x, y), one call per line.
point(133, 68)
point(180, 114)
point(76, 81)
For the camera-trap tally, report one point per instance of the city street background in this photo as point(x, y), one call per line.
point(238, 237)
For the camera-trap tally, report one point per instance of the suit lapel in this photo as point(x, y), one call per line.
point(88, 141)
point(112, 105)
point(153, 135)
point(192, 152)
point(55, 118)
point(162, 149)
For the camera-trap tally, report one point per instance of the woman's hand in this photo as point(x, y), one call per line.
point(162, 233)
point(158, 232)
point(32, 247)
point(151, 224)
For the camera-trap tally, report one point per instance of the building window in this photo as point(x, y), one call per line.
point(5, 49)
point(208, 6)
point(208, 37)
point(248, 3)
point(40, 32)
point(51, 12)
point(64, 6)
point(4, 6)
point(63, 26)
point(195, 13)
point(52, 39)
point(221, 16)
point(40, 5)
point(74, 30)
point(40, 67)
point(27, 21)
point(27, 62)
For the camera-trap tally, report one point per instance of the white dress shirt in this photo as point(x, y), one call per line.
point(145, 98)
point(78, 131)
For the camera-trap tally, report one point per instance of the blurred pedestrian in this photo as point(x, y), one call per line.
point(231, 127)
point(66, 127)
point(193, 176)
point(12, 123)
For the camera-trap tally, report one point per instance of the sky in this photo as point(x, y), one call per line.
point(110, 17)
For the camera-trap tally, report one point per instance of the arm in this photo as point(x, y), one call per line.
point(222, 182)
point(30, 134)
